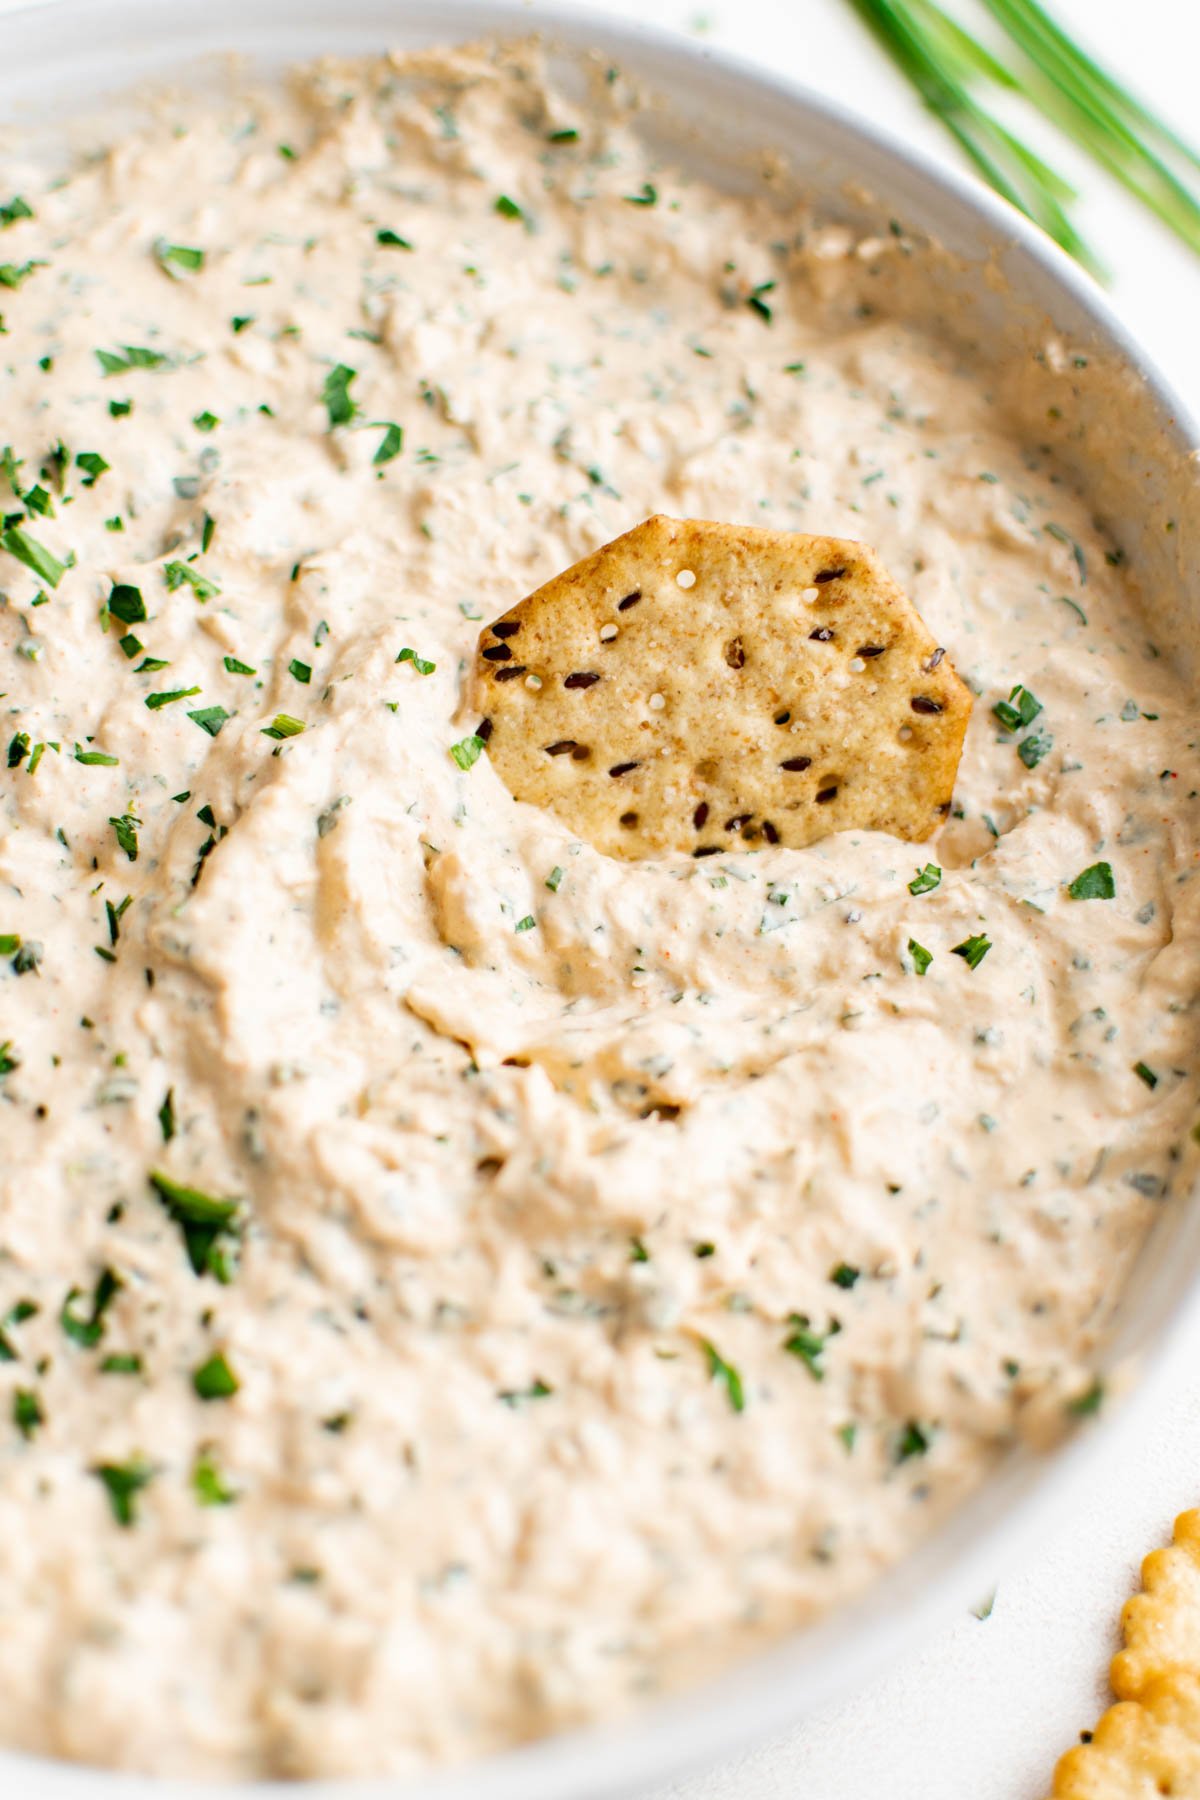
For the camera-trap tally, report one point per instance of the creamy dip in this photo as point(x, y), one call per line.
point(628, 1260)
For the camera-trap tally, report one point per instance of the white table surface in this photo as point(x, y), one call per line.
point(982, 1710)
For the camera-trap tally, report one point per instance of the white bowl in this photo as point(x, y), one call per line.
point(1010, 288)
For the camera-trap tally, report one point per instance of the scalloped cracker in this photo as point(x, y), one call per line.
point(701, 687)
point(1149, 1744)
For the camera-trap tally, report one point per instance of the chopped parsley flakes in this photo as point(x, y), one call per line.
point(390, 445)
point(86, 1328)
point(336, 395)
point(283, 726)
point(126, 829)
point(418, 662)
point(176, 573)
point(467, 751)
point(1096, 882)
point(1020, 709)
point(123, 1482)
point(206, 1221)
point(809, 1345)
point(214, 1379)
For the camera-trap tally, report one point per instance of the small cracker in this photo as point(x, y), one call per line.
point(701, 687)
point(1161, 1625)
point(1141, 1749)
point(1148, 1745)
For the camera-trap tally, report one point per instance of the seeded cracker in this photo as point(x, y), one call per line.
point(701, 687)
point(1149, 1744)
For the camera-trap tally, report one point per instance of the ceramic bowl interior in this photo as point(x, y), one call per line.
point(1005, 291)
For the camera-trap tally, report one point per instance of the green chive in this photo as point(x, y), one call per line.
point(723, 1372)
point(17, 541)
point(972, 950)
point(283, 726)
point(391, 444)
point(921, 958)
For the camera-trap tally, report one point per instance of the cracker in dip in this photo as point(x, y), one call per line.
point(456, 1283)
point(702, 687)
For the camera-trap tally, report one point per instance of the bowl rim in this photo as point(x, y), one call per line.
point(771, 1689)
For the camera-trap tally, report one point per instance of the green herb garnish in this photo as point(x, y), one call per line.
point(87, 1328)
point(925, 880)
point(1146, 1074)
point(45, 565)
point(921, 958)
point(1090, 1401)
point(93, 466)
point(215, 1380)
point(126, 829)
point(508, 209)
point(208, 1484)
point(176, 573)
point(391, 240)
point(1020, 709)
point(123, 1482)
point(756, 302)
point(973, 950)
point(418, 662)
point(944, 63)
point(336, 395)
point(1096, 882)
point(844, 1275)
point(206, 1221)
point(1032, 749)
point(13, 274)
point(300, 671)
point(283, 726)
point(157, 701)
point(114, 915)
point(234, 667)
point(809, 1345)
point(205, 421)
point(130, 356)
point(723, 1372)
point(177, 256)
point(126, 603)
point(210, 719)
point(27, 1412)
point(467, 751)
point(391, 444)
point(914, 1440)
point(537, 1390)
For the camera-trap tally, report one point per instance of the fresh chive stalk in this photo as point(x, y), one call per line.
point(944, 62)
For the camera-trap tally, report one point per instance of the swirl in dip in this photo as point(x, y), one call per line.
point(560, 1276)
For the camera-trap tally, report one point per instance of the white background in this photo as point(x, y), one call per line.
point(982, 1711)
